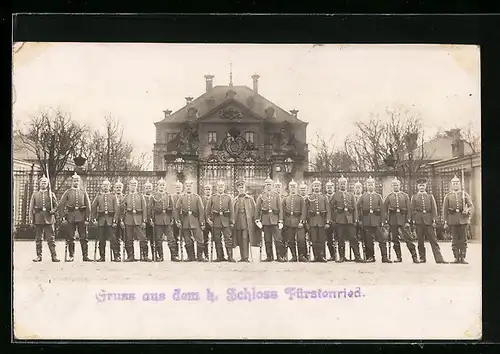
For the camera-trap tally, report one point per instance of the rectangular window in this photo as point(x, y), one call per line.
point(170, 136)
point(249, 137)
point(212, 137)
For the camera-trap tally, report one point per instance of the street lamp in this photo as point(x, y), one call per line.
point(179, 168)
point(288, 165)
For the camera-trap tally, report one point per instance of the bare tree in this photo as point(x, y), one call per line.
point(471, 137)
point(327, 158)
point(396, 132)
point(54, 138)
point(108, 151)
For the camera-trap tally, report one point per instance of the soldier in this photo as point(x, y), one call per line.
point(162, 209)
point(343, 205)
point(106, 213)
point(303, 194)
point(318, 219)
point(190, 218)
point(294, 215)
point(220, 216)
point(277, 188)
point(330, 242)
point(397, 212)
point(244, 230)
point(120, 230)
point(42, 210)
point(175, 197)
point(150, 234)
point(75, 210)
point(134, 218)
point(371, 213)
point(303, 190)
point(423, 215)
point(269, 218)
point(208, 228)
point(358, 192)
point(457, 210)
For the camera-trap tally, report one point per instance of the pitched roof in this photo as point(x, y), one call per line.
point(244, 95)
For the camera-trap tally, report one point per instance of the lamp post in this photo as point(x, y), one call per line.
point(79, 162)
point(179, 168)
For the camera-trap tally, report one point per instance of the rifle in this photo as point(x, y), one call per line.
point(389, 234)
point(465, 209)
point(211, 256)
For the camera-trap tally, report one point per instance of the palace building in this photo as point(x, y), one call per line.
point(231, 132)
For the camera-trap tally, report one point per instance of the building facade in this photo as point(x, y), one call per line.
point(229, 133)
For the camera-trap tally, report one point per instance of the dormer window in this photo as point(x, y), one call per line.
point(249, 137)
point(212, 138)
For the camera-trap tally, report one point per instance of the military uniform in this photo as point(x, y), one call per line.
point(423, 214)
point(190, 213)
point(106, 211)
point(175, 228)
point(294, 216)
point(318, 216)
point(135, 215)
point(120, 231)
point(304, 195)
point(75, 209)
point(162, 207)
point(343, 205)
point(244, 230)
point(41, 214)
point(397, 211)
point(330, 233)
point(150, 232)
point(371, 214)
point(220, 211)
point(457, 221)
point(207, 230)
point(359, 228)
point(270, 213)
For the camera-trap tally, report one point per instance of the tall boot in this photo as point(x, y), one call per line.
point(190, 253)
point(200, 250)
point(85, 251)
point(38, 248)
point(144, 252)
point(269, 252)
point(71, 252)
point(302, 254)
point(414, 256)
point(116, 253)
point(159, 251)
point(341, 254)
point(397, 250)
point(130, 253)
point(321, 253)
point(294, 253)
point(174, 253)
point(244, 251)
point(220, 252)
point(383, 252)
point(331, 249)
point(456, 254)
point(229, 250)
point(53, 254)
point(280, 251)
point(463, 253)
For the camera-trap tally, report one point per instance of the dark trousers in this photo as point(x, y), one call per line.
point(330, 241)
point(206, 239)
point(347, 232)
point(135, 232)
point(459, 240)
point(318, 238)
point(295, 237)
point(82, 233)
point(243, 240)
point(272, 232)
point(372, 233)
point(217, 232)
point(399, 232)
point(45, 231)
point(107, 232)
point(422, 232)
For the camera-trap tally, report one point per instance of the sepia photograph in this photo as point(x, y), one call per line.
point(246, 191)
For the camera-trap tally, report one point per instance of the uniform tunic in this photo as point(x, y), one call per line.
point(40, 215)
point(397, 213)
point(189, 210)
point(453, 207)
point(220, 211)
point(343, 205)
point(270, 213)
point(371, 214)
point(295, 212)
point(106, 210)
point(149, 228)
point(134, 213)
point(161, 211)
point(75, 208)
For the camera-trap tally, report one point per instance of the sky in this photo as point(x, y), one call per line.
point(332, 86)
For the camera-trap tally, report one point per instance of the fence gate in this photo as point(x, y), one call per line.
point(253, 173)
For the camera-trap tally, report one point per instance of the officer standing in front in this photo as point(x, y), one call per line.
point(270, 219)
point(457, 210)
point(294, 215)
point(397, 212)
point(42, 210)
point(120, 230)
point(208, 229)
point(245, 235)
point(190, 218)
point(319, 219)
point(220, 216)
point(423, 215)
point(344, 206)
point(371, 214)
point(106, 213)
point(75, 210)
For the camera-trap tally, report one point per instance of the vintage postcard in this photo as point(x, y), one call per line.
point(246, 191)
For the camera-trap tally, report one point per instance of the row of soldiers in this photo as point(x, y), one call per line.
point(292, 222)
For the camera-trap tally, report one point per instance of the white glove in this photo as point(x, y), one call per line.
point(258, 223)
point(280, 225)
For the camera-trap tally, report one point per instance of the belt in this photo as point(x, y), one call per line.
point(270, 212)
point(397, 211)
point(344, 209)
point(38, 209)
point(195, 214)
point(317, 212)
point(70, 208)
point(376, 212)
point(453, 211)
point(166, 211)
point(292, 213)
point(101, 213)
point(221, 213)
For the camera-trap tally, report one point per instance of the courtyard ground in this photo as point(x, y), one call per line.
point(389, 301)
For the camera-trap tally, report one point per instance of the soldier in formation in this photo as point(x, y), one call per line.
point(120, 229)
point(371, 216)
point(318, 219)
point(148, 196)
point(294, 216)
point(42, 210)
point(190, 219)
point(344, 206)
point(358, 192)
point(177, 232)
point(106, 213)
point(397, 207)
point(208, 229)
point(162, 208)
point(220, 217)
point(269, 218)
point(330, 232)
point(457, 210)
point(245, 213)
point(423, 216)
point(74, 208)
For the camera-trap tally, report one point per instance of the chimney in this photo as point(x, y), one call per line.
point(189, 99)
point(255, 79)
point(294, 112)
point(209, 79)
point(167, 112)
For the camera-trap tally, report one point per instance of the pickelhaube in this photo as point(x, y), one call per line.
point(342, 179)
point(303, 185)
point(148, 184)
point(188, 182)
point(240, 183)
point(132, 181)
point(208, 185)
point(106, 181)
point(162, 181)
point(268, 181)
point(329, 183)
point(421, 181)
point(178, 183)
point(221, 183)
point(396, 180)
point(370, 180)
point(292, 183)
point(317, 181)
point(455, 179)
point(118, 183)
point(75, 176)
point(358, 184)
point(277, 183)
point(43, 178)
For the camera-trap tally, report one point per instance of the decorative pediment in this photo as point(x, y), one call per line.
point(230, 111)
